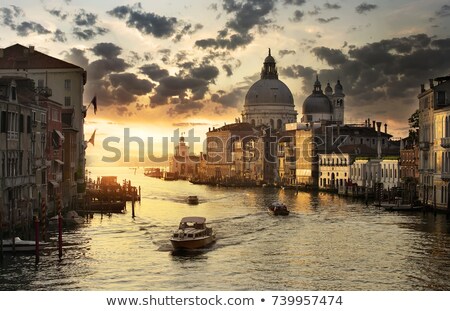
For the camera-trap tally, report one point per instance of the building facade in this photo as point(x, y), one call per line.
point(23, 169)
point(63, 83)
point(434, 142)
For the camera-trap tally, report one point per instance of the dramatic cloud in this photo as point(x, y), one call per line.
point(146, 23)
point(381, 77)
point(154, 72)
point(245, 17)
point(8, 15)
point(188, 29)
point(331, 56)
point(127, 86)
point(331, 6)
point(232, 43)
point(178, 86)
point(327, 20)
point(228, 70)
point(294, 2)
point(232, 99)
point(316, 11)
point(58, 13)
point(298, 16)
point(88, 34)
point(185, 107)
point(248, 14)
point(365, 7)
point(26, 28)
point(283, 53)
point(205, 72)
point(77, 57)
point(107, 50)
point(443, 11)
point(85, 19)
point(59, 36)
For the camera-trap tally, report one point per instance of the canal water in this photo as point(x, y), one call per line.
point(327, 243)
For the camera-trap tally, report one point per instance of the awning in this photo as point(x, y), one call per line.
point(54, 183)
point(61, 136)
point(59, 161)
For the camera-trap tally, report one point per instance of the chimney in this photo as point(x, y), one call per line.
point(431, 83)
point(31, 48)
point(379, 138)
point(368, 122)
point(422, 88)
point(373, 124)
point(385, 128)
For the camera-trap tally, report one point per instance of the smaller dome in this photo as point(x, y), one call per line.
point(317, 104)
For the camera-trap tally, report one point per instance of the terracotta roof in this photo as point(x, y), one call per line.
point(235, 127)
point(20, 57)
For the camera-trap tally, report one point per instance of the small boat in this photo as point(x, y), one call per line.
point(21, 245)
point(192, 199)
point(192, 233)
point(393, 207)
point(278, 209)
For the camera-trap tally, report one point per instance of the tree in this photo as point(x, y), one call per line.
point(413, 122)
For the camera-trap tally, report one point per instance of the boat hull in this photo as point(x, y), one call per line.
point(192, 243)
point(278, 213)
point(21, 246)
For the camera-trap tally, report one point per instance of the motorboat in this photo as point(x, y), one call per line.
point(278, 209)
point(192, 199)
point(21, 245)
point(192, 233)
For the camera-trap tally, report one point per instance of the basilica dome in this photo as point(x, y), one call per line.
point(269, 92)
point(269, 101)
point(317, 102)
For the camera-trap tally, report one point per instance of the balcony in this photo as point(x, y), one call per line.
point(445, 175)
point(445, 142)
point(15, 181)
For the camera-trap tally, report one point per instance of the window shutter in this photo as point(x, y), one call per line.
point(3, 122)
point(21, 130)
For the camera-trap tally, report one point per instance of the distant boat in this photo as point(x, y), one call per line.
point(394, 207)
point(169, 176)
point(192, 233)
point(278, 209)
point(21, 245)
point(153, 172)
point(192, 199)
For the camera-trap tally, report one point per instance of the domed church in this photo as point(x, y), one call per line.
point(269, 101)
point(324, 107)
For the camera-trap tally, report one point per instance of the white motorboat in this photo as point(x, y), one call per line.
point(192, 233)
point(21, 245)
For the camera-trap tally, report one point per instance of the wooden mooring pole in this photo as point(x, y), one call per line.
point(133, 199)
point(59, 228)
point(36, 236)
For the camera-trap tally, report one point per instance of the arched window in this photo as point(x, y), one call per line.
point(272, 123)
point(279, 124)
point(253, 122)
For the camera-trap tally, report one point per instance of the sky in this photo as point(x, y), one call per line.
point(172, 66)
